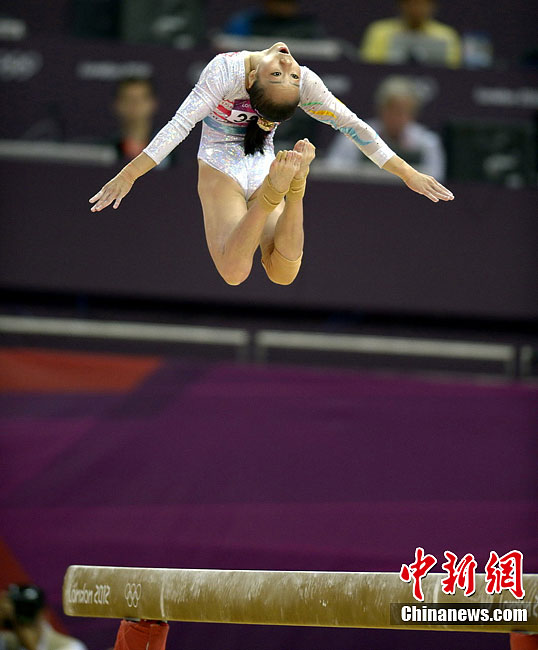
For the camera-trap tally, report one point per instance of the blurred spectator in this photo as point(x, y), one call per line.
point(278, 18)
point(135, 105)
point(414, 36)
point(397, 103)
point(23, 624)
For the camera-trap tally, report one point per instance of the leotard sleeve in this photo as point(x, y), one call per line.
point(318, 101)
point(216, 80)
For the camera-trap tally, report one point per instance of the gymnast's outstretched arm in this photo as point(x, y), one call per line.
point(318, 101)
point(216, 79)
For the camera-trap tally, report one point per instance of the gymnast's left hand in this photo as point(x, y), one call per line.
point(428, 186)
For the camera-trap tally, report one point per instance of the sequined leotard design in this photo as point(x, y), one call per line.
point(220, 99)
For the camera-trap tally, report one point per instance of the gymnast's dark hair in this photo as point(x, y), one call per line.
point(254, 136)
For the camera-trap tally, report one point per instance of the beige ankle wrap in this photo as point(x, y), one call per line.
point(297, 189)
point(269, 197)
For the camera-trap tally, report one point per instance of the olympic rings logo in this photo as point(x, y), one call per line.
point(132, 594)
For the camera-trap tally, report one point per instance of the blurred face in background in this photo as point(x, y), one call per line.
point(396, 113)
point(281, 8)
point(135, 102)
point(417, 12)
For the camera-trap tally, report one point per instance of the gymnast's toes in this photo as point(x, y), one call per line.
point(283, 168)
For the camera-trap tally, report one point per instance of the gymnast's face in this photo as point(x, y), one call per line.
point(279, 73)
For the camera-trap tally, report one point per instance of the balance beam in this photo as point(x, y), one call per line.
point(309, 598)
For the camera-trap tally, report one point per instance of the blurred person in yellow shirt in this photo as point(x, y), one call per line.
point(412, 37)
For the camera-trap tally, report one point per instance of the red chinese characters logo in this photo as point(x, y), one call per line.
point(418, 570)
point(505, 572)
point(461, 575)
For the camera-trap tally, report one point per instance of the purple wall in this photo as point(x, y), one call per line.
point(230, 466)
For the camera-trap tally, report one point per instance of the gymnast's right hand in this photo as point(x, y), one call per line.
point(112, 192)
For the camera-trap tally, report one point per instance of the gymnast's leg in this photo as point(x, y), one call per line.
point(283, 236)
point(233, 230)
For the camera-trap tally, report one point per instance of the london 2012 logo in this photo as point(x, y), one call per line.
point(132, 594)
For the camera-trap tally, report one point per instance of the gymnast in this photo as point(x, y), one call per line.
point(249, 197)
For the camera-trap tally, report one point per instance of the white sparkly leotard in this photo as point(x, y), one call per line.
point(221, 100)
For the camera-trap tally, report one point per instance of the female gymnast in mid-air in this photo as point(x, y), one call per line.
point(250, 198)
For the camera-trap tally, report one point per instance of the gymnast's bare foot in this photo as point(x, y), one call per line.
point(308, 153)
point(283, 169)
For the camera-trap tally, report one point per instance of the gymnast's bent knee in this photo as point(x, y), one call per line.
point(234, 276)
